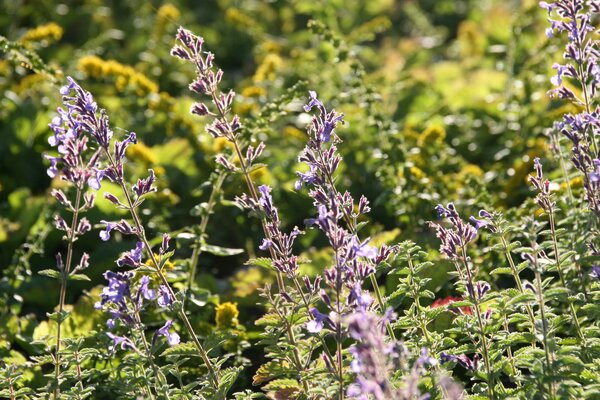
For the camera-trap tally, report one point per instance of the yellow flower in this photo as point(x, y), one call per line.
point(417, 172)
point(294, 132)
point(168, 264)
point(236, 17)
point(220, 143)
point(124, 75)
point(50, 32)
point(142, 153)
point(227, 314)
point(167, 12)
point(253, 91)
point(267, 69)
point(434, 134)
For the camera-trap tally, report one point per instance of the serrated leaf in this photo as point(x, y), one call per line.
point(282, 384)
point(181, 349)
point(261, 262)
point(269, 371)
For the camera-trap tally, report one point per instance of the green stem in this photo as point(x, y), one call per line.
point(148, 354)
point(541, 305)
point(203, 224)
point(418, 313)
point(515, 273)
point(142, 236)
point(64, 276)
point(484, 343)
point(562, 277)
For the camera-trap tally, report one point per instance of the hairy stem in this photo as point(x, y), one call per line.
point(142, 236)
point(203, 223)
point(541, 306)
point(484, 344)
point(63, 288)
point(562, 276)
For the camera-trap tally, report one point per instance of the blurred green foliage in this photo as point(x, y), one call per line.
point(444, 100)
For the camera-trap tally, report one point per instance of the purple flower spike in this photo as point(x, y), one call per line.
point(133, 257)
point(172, 337)
point(105, 234)
point(144, 186)
point(595, 272)
point(164, 298)
point(317, 324)
point(122, 341)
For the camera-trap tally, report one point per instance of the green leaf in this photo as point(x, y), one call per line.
point(261, 262)
point(181, 349)
point(51, 273)
point(220, 251)
point(503, 270)
point(58, 316)
point(79, 277)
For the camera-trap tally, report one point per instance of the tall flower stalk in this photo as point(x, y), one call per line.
point(77, 163)
point(95, 122)
point(581, 67)
point(322, 159)
point(454, 245)
point(207, 83)
point(547, 204)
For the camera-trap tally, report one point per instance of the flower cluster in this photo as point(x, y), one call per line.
point(543, 198)
point(207, 84)
point(125, 303)
point(581, 67)
point(355, 259)
point(375, 359)
point(454, 240)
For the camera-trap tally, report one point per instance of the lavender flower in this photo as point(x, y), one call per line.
point(172, 337)
point(326, 122)
point(454, 240)
point(164, 298)
point(121, 341)
point(581, 57)
point(595, 272)
point(133, 257)
point(190, 49)
point(121, 226)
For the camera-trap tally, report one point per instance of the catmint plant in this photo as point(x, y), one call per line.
point(545, 201)
point(207, 83)
point(75, 163)
point(454, 242)
point(581, 56)
point(95, 124)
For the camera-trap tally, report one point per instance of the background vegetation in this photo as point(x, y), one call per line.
point(445, 100)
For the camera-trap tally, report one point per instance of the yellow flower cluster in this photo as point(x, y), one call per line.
point(227, 314)
point(142, 153)
point(236, 17)
point(168, 264)
point(267, 69)
point(166, 13)
point(253, 91)
point(125, 75)
point(433, 134)
point(50, 32)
